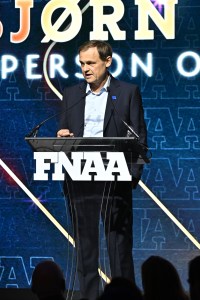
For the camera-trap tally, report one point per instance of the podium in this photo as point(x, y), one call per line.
point(89, 201)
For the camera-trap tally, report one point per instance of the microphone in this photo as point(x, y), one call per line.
point(34, 131)
point(130, 131)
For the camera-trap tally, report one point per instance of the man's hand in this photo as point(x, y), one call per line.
point(64, 133)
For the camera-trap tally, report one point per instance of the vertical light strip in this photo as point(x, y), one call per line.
point(169, 214)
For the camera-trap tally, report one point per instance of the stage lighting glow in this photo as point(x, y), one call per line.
point(159, 4)
point(193, 71)
point(1, 29)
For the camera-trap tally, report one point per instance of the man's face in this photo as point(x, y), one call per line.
point(93, 68)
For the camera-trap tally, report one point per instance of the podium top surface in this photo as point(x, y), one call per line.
point(89, 144)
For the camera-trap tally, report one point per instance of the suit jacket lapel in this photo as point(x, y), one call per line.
point(113, 95)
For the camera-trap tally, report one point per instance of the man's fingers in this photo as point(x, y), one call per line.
point(64, 133)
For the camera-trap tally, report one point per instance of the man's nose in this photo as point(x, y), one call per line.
point(85, 67)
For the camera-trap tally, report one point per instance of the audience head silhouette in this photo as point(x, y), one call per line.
point(121, 288)
point(161, 281)
point(48, 281)
point(194, 278)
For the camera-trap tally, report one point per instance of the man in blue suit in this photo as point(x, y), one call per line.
point(98, 107)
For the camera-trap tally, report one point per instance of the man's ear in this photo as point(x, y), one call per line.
point(108, 61)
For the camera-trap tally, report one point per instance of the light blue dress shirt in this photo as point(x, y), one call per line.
point(95, 106)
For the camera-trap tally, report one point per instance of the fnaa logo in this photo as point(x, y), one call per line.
point(82, 166)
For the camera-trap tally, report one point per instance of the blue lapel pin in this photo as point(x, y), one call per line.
point(114, 98)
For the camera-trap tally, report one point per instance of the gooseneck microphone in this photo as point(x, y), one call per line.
point(130, 131)
point(34, 131)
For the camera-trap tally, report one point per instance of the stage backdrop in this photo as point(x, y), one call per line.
point(156, 45)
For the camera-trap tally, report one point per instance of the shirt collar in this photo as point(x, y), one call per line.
point(104, 88)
